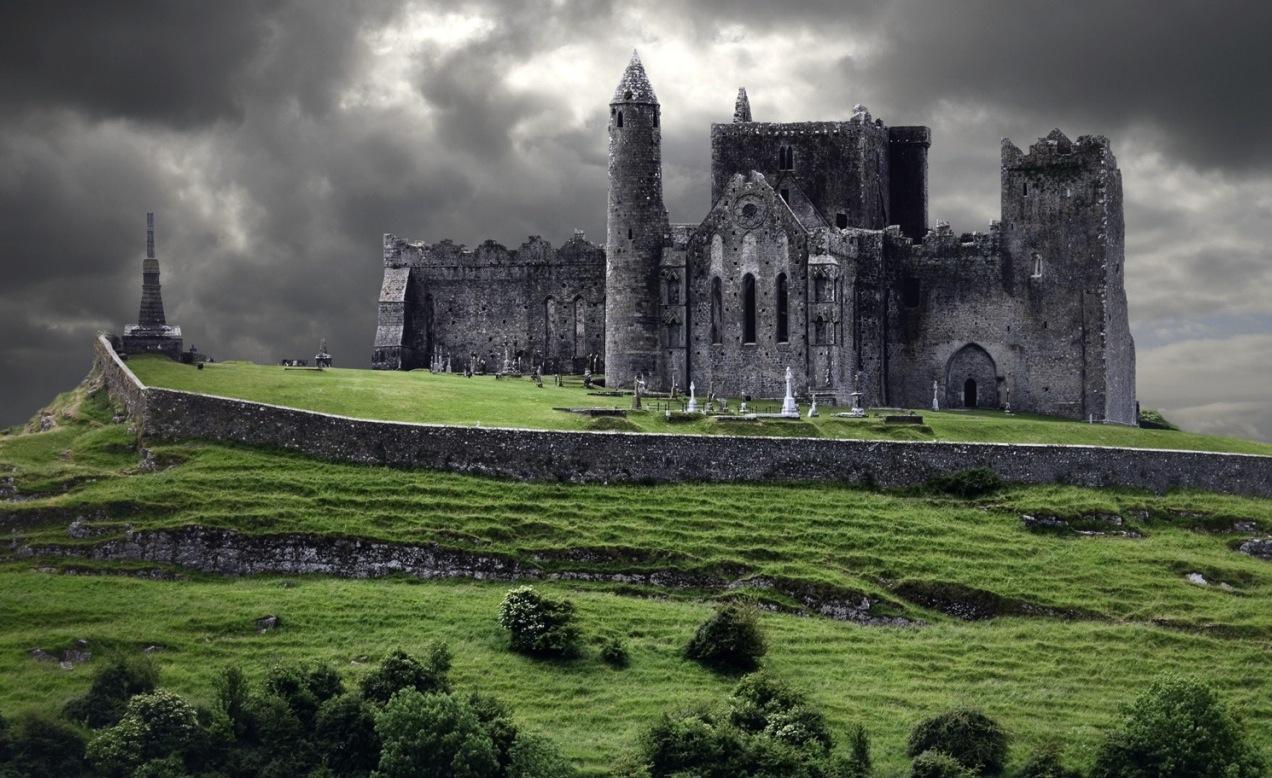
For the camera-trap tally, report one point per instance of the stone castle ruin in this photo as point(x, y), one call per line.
point(816, 255)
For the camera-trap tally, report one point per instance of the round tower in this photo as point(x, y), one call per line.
point(636, 229)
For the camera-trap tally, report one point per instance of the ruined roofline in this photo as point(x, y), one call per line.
point(825, 127)
point(448, 252)
point(1056, 150)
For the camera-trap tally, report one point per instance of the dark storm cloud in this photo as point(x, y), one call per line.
point(278, 140)
point(1198, 73)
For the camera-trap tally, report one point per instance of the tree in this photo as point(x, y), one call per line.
point(1047, 762)
point(539, 625)
point(400, 670)
point(114, 684)
point(432, 736)
point(345, 734)
point(967, 735)
point(1178, 727)
point(934, 764)
point(763, 704)
point(42, 747)
point(730, 640)
point(155, 726)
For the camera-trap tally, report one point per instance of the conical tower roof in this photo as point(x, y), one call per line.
point(634, 87)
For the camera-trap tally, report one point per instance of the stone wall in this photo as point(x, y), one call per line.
point(604, 457)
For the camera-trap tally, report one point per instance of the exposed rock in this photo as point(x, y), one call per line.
point(47, 422)
point(40, 655)
point(267, 623)
point(1044, 521)
point(7, 490)
point(80, 529)
point(971, 604)
point(1245, 526)
point(148, 463)
point(1197, 578)
point(153, 649)
point(1260, 548)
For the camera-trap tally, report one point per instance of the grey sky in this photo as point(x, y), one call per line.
point(276, 142)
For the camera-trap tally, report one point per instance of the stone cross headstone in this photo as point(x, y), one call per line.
point(936, 395)
point(789, 408)
point(812, 409)
point(1007, 404)
point(693, 401)
point(639, 383)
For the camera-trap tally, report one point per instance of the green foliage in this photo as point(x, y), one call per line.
point(432, 735)
point(968, 484)
point(614, 653)
point(155, 726)
point(763, 704)
point(43, 747)
point(1047, 761)
point(856, 763)
point(1178, 728)
point(968, 735)
point(539, 625)
point(934, 764)
point(535, 757)
point(730, 640)
point(400, 670)
point(304, 690)
point(345, 734)
point(1151, 418)
point(114, 684)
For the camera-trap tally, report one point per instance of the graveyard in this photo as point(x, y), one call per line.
point(516, 401)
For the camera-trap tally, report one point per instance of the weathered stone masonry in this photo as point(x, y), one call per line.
point(607, 457)
point(816, 254)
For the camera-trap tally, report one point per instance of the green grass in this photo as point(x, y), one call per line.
point(420, 396)
point(1042, 677)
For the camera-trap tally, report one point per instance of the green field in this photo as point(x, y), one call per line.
point(1122, 610)
point(452, 399)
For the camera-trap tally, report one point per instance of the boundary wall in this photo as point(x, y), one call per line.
point(624, 457)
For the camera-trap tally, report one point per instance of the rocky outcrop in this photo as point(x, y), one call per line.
point(226, 552)
point(1258, 547)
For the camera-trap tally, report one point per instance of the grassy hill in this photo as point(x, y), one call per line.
point(1050, 631)
point(452, 399)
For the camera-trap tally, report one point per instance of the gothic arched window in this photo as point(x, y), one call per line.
point(748, 308)
point(717, 305)
point(782, 318)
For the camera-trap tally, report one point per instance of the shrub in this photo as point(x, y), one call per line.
point(614, 653)
point(1151, 418)
point(540, 626)
point(934, 764)
point(856, 763)
point(155, 726)
point(968, 484)
point(432, 735)
point(42, 747)
point(1047, 762)
point(232, 700)
point(114, 684)
point(1179, 727)
point(400, 670)
point(304, 690)
point(706, 746)
point(729, 640)
point(763, 704)
point(975, 740)
point(536, 757)
point(345, 733)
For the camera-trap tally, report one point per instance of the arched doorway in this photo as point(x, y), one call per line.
point(969, 393)
point(971, 379)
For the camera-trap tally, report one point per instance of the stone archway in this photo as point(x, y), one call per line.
point(971, 379)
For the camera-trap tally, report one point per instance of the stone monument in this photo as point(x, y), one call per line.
point(789, 408)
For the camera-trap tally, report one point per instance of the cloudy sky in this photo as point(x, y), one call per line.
point(278, 140)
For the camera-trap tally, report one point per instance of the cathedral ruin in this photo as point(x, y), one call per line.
point(816, 255)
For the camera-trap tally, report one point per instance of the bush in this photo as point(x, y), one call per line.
point(729, 640)
point(973, 739)
point(304, 690)
point(155, 726)
point(400, 670)
point(1152, 419)
point(432, 735)
point(1178, 728)
point(614, 653)
point(42, 747)
point(968, 484)
point(114, 684)
point(536, 757)
point(345, 734)
point(934, 764)
point(540, 626)
point(763, 704)
point(1047, 762)
point(856, 763)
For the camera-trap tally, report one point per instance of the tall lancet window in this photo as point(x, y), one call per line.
point(782, 319)
point(748, 308)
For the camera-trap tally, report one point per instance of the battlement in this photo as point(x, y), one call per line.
point(445, 253)
point(1057, 151)
point(795, 129)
